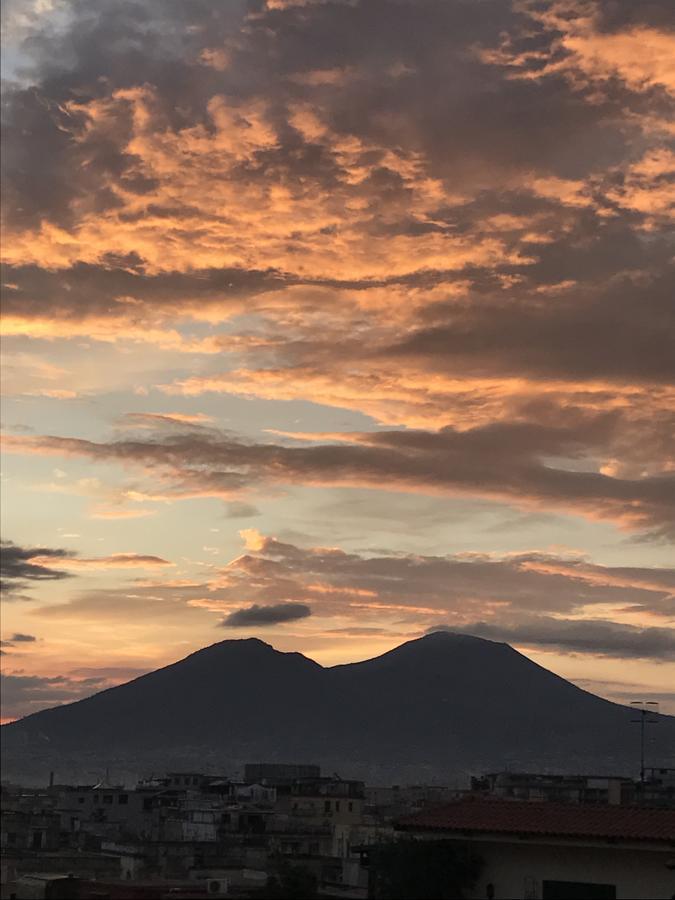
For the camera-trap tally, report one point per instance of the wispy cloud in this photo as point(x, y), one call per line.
point(22, 566)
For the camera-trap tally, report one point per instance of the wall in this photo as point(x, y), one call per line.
point(517, 869)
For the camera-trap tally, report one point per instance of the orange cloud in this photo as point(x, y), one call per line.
point(639, 55)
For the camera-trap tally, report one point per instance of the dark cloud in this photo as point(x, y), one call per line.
point(595, 636)
point(104, 47)
point(18, 568)
point(255, 615)
point(570, 340)
point(18, 638)
point(116, 290)
point(620, 14)
point(237, 509)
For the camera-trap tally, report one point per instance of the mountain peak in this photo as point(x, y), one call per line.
point(445, 635)
point(444, 641)
point(243, 651)
point(251, 644)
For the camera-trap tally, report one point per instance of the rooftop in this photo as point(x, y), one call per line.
point(491, 816)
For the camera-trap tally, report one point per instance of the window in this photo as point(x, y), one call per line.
point(108, 798)
point(80, 799)
point(326, 806)
point(350, 807)
point(123, 799)
point(337, 806)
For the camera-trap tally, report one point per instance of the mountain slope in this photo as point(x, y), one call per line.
point(221, 692)
point(430, 708)
point(456, 696)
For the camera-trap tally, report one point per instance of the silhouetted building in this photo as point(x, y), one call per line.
point(615, 790)
point(278, 773)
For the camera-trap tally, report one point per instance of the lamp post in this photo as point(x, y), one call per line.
point(645, 712)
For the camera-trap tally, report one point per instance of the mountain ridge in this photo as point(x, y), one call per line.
point(440, 704)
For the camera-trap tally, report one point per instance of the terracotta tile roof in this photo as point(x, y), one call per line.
point(554, 819)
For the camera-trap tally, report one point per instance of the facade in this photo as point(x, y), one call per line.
point(658, 787)
point(615, 790)
point(204, 830)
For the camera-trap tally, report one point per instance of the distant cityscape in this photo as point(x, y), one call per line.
point(289, 830)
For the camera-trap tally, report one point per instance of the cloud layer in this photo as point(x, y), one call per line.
point(531, 599)
point(467, 229)
point(542, 466)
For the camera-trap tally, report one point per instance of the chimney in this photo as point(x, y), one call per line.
point(51, 779)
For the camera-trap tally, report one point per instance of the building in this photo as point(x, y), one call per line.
point(47, 887)
point(278, 773)
point(658, 788)
point(614, 790)
point(547, 851)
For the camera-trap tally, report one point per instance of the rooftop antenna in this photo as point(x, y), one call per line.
point(644, 712)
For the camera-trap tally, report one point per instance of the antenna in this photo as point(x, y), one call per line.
point(644, 712)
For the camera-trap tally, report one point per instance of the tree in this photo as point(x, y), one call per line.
point(422, 870)
point(291, 883)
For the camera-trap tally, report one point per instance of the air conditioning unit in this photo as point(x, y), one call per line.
point(216, 886)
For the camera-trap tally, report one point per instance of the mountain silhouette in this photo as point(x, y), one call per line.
point(433, 708)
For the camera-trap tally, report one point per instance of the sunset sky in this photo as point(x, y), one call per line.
point(333, 322)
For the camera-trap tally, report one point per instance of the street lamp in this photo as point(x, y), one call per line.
point(645, 712)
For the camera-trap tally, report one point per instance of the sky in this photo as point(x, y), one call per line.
point(333, 323)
